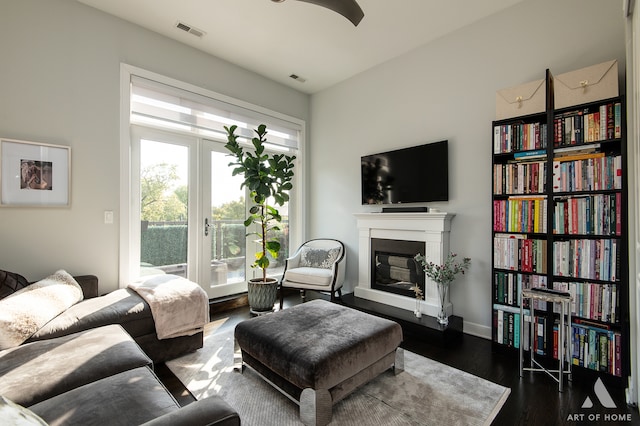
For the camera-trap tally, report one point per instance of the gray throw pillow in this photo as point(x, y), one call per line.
point(10, 282)
point(319, 258)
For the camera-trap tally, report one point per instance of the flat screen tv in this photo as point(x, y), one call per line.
point(417, 174)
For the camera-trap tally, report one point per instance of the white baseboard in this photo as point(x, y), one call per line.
point(477, 330)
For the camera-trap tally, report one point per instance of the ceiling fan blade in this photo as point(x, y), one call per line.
point(347, 8)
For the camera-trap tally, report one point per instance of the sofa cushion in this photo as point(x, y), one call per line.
point(122, 306)
point(28, 309)
point(10, 282)
point(16, 415)
point(209, 411)
point(310, 276)
point(128, 398)
point(36, 371)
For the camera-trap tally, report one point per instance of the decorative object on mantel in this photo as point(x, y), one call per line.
point(268, 177)
point(443, 275)
point(418, 291)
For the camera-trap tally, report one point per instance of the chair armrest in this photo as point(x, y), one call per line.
point(89, 284)
point(339, 270)
point(209, 411)
point(293, 261)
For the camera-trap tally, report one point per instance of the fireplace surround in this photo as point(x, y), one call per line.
point(427, 230)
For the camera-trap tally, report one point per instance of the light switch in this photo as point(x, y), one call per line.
point(108, 217)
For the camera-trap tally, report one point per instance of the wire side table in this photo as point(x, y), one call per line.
point(554, 296)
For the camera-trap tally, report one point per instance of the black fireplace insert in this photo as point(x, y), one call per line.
point(393, 268)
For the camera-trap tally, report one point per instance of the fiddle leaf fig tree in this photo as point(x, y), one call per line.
point(268, 178)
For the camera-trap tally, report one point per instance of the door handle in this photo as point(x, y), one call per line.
point(207, 225)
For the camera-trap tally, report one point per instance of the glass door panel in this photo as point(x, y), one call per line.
point(164, 211)
point(228, 212)
point(225, 212)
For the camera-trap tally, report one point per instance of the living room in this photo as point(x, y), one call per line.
point(61, 85)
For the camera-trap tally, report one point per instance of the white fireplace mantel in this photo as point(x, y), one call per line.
point(432, 228)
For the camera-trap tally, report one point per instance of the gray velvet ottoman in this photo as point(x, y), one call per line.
point(318, 352)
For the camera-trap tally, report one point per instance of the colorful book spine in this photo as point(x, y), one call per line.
point(596, 347)
point(595, 301)
point(595, 259)
point(520, 214)
point(517, 253)
point(585, 126)
point(508, 287)
point(519, 178)
point(519, 137)
point(587, 172)
point(507, 326)
point(598, 214)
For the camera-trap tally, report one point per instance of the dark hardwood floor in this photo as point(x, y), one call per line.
point(534, 399)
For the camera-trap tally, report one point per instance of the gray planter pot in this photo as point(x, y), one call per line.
point(262, 295)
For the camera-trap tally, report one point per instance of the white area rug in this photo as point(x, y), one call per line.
point(426, 393)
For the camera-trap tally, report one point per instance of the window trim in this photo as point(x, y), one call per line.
point(127, 228)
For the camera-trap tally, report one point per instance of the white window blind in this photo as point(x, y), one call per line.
point(161, 105)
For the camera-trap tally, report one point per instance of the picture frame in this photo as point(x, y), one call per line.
point(34, 174)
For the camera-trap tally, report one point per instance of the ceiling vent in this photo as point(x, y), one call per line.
point(189, 29)
point(298, 78)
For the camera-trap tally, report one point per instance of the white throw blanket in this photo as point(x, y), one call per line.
point(28, 309)
point(179, 306)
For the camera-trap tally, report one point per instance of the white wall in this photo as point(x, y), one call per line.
point(446, 90)
point(59, 83)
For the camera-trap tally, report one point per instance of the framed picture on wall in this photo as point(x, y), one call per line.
point(34, 174)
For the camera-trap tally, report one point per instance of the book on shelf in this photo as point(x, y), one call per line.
point(519, 137)
point(507, 326)
point(617, 125)
point(541, 338)
point(519, 178)
point(598, 214)
point(524, 213)
point(596, 347)
point(580, 156)
point(595, 173)
point(594, 301)
point(508, 288)
point(595, 259)
point(516, 252)
point(579, 149)
point(528, 155)
point(584, 126)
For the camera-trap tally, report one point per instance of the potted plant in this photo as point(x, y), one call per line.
point(268, 178)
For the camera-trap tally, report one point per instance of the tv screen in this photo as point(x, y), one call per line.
point(410, 175)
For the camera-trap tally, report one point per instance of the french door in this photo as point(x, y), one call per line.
point(190, 212)
point(224, 255)
point(226, 247)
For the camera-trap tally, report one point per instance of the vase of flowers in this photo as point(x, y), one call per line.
point(418, 291)
point(443, 275)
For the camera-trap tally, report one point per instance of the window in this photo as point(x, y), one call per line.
point(173, 133)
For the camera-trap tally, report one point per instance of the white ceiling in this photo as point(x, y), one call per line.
point(294, 37)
